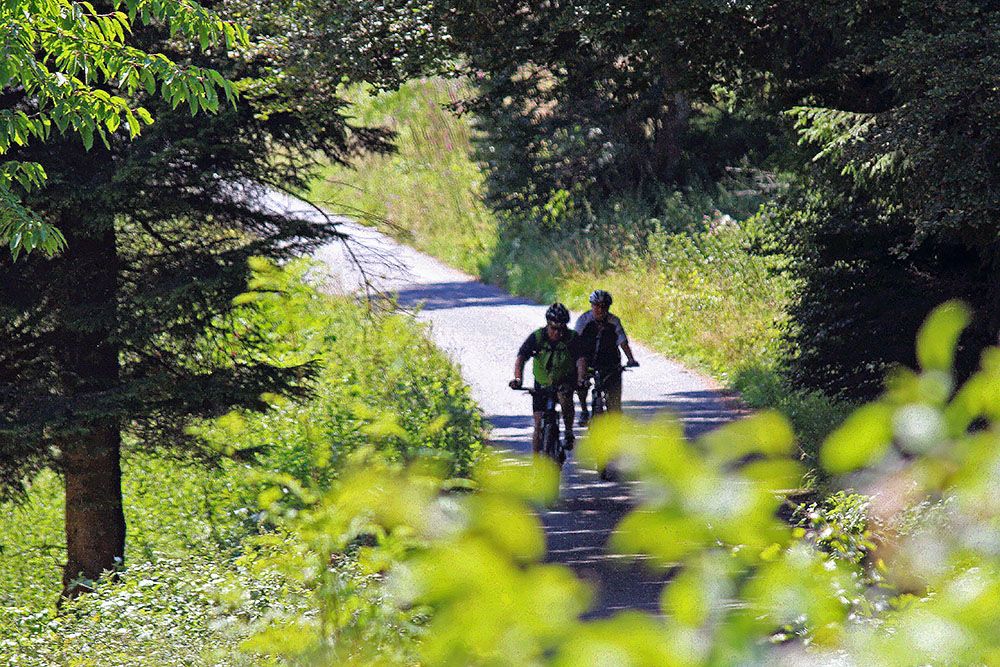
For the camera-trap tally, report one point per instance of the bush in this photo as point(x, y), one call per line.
point(749, 588)
point(198, 580)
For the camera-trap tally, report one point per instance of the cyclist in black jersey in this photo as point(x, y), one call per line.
point(602, 334)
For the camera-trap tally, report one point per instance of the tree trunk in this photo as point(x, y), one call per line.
point(88, 350)
point(667, 143)
point(95, 521)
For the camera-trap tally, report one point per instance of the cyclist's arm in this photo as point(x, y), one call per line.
point(525, 352)
point(623, 340)
point(628, 353)
point(519, 368)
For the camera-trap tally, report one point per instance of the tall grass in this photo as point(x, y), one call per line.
point(427, 193)
point(701, 297)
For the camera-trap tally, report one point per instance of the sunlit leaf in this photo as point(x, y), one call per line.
point(767, 433)
point(862, 440)
point(939, 334)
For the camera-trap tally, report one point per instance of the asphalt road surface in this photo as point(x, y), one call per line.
point(481, 327)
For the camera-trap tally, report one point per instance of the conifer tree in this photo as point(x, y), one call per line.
point(124, 338)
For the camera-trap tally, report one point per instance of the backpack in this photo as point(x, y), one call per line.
point(553, 363)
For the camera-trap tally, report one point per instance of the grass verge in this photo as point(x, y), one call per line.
point(427, 193)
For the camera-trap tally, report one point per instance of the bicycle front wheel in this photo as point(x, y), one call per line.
point(550, 440)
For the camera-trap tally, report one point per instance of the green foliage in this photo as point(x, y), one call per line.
point(750, 588)
point(64, 57)
point(206, 567)
point(382, 44)
point(728, 300)
point(380, 381)
point(838, 525)
point(166, 612)
point(570, 99)
point(186, 527)
point(814, 414)
point(896, 207)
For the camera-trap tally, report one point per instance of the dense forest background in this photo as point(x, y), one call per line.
point(871, 130)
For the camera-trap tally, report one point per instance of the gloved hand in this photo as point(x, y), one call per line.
point(514, 384)
point(632, 364)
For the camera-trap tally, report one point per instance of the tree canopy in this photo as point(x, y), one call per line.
point(69, 67)
point(131, 333)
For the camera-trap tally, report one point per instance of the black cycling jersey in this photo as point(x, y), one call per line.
point(601, 340)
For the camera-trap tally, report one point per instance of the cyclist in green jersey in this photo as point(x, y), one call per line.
point(559, 361)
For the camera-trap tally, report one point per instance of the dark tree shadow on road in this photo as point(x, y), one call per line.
point(701, 411)
point(512, 421)
point(580, 525)
point(458, 294)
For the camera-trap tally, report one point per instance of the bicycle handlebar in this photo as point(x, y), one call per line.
point(541, 390)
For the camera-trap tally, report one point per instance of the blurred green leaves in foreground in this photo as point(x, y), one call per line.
point(904, 572)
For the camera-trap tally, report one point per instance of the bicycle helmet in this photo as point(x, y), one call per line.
point(557, 313)
point(599, 296)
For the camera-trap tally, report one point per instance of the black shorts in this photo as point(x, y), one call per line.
point(538, 398)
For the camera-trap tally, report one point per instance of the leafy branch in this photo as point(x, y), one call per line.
point(65, 64)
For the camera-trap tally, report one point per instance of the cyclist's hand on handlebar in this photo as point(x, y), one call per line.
point(514, 384)
point(632, 364)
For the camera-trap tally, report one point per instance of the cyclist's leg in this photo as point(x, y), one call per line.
point(582, 395)
point(537, 411)
point(566, 403)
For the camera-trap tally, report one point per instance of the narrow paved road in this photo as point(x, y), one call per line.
point(480, 327)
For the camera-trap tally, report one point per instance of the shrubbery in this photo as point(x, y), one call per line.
point(859, 581)
point(198, 578)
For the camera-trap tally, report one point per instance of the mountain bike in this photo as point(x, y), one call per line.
point(552, 445)
point(599, 405)
point(599, 393)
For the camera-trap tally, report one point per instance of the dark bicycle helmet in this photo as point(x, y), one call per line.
point(599, 296)
point(557, 313)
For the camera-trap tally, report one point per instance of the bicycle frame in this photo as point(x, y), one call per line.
point(551, 444)
point(599, 400)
